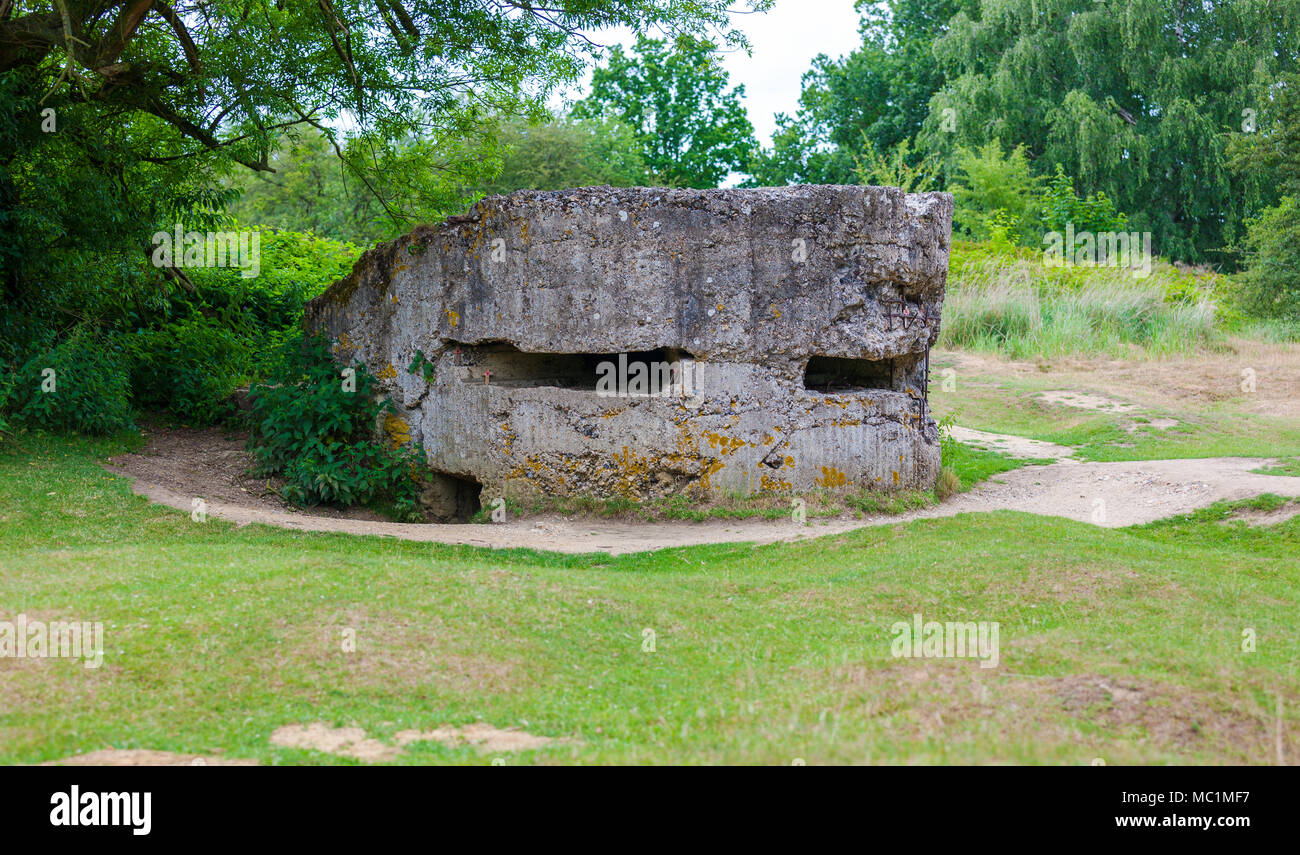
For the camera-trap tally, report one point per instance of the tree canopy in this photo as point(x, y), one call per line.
point(120, 115)
point(1137, 99)
point(693, 130)
point(567, 152)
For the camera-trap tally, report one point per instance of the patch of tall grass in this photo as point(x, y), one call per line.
point(1013, 304)
point(1271, 330)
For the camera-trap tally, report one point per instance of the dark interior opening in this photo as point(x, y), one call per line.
point(831, 374)
point(451, 498)
point(515, 369)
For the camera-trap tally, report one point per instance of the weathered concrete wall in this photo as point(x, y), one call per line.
point(743, 286)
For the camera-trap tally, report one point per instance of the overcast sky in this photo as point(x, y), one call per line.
point(784, 41)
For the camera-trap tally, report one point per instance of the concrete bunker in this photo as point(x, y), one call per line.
point(643, 342)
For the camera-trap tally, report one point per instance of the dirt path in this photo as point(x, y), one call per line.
point(549, 533)
point(1014, 446)
point(178, 466)
point(1119, 494)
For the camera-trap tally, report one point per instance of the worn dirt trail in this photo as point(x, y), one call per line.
point(1119, 494)
point(176, 467)
point(549, 533)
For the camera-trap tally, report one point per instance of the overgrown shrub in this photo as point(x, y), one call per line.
point(78, 384)
point(183, 344)
point(189, 367)
point(6, 386)
point(320, 434)
point(993, 189)
point(1060, 208)
point(997, 199)
point(192, 349)
point(295, 267)
point(1271, 283)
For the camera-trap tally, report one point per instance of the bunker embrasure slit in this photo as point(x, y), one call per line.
point(503, 364)
point(833, 375)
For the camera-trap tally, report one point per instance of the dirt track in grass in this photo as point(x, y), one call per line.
point(178, 465)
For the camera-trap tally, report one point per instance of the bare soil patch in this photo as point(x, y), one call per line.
point(1102, 404)
point(1085, 401)
point(1114, 495)
point(212, 464)
point(1198, 380)
point(1013, 446)
point(342, 741)
point(1168, 716)
point(353, 742)
point(1276, 516)
point(926, 697)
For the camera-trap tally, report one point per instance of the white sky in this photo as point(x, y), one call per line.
point(783, 43)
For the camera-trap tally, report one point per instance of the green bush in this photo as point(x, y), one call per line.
point(85, 389)
point(295, 267)
point(189, 367)
point(995, 190)
point(1060, 208)
point(323, 439)
point(997, 199)
point(6, 386)
point(191, 349)
point(1271, 284)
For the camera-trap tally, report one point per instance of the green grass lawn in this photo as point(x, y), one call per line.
point(1124, 645)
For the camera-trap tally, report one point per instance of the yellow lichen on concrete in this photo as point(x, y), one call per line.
point(632, 470)
point(832, 477)
point(710, 468)
point(344, 346)
point(725, 444)
point(398, 431)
